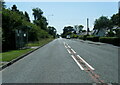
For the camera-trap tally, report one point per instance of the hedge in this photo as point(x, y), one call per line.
point(93, 38)
point(110, 40)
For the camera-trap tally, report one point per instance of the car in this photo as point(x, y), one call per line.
point(68, 36)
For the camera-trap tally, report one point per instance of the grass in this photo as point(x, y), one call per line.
point(40, 42)
point(8, 56)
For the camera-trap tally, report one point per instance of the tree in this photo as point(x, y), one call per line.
point(78, 28)
point(102, 23)
point(14, 8)
point(115, 19)
point(27, 16)
point(37, 12)
point(40, 20)
point(68, 30)
point(52, 31)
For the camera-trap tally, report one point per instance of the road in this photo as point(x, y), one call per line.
point(53, 63)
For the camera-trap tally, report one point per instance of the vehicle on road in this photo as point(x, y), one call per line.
point(68, 36)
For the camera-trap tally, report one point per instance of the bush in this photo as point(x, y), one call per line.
point(93, 38)
point(110, 40)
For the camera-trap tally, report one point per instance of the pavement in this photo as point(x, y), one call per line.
point(53, 63)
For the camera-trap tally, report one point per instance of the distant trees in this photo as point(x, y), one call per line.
point(52, 31)
point(68, 30)
point(78, 28)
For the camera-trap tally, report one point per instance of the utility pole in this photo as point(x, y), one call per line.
point(87, 26)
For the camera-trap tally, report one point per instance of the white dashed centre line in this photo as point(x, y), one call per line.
point(86, 63)
point(69, 51)
point(73, 51)
point(77, 63)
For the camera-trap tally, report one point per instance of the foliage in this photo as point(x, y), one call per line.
point(93, 38)
point(115, 19)
point(110, 40)
point(67, 31)
point(52, 31)
point(17, 20)
point(27, 16)
point(78, 28)
point(102, 23)
point(40, 20)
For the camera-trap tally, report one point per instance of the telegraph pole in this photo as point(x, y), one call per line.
point(87, 26)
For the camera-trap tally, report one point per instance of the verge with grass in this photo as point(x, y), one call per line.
point(10, 55)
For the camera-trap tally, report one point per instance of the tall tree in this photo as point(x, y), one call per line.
point(102, 23)
point(52, 31)
point(40, 20)
point(27, 16)
point(115, 19)
point(14, 8)
point(37, 12)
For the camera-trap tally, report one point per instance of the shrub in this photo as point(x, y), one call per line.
point(93, 38)
point(110, 40)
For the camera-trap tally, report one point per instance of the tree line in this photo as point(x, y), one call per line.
point(17, 29)
point(102, 22)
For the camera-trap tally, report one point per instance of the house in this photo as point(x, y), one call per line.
point(101, 32)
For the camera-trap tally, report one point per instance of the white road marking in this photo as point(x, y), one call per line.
point(86, 63)
point(73, 51)
point(69, 46)
point(65, 47)
point(77, 63)
point(68, 51)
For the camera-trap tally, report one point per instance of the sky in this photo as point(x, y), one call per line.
point(61, 14)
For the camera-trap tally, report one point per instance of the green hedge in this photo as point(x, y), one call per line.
point(93, 38)
point(110, 40)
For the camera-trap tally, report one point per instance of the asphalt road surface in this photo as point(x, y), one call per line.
point(54, 63)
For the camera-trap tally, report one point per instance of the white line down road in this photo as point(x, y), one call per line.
point(86, 63)
point(77, 63)
point(68, 49)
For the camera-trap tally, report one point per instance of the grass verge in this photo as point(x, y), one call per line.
point(40, 42)
point(8, 56)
